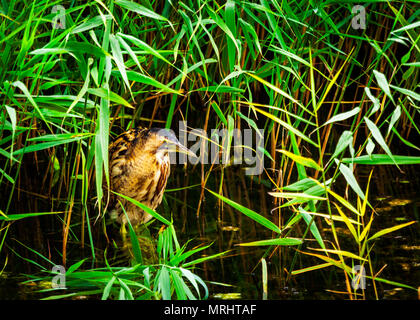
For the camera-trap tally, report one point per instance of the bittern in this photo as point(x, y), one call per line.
point(139, 169)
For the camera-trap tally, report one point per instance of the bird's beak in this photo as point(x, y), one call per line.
point(176, 146)
point(183, 149)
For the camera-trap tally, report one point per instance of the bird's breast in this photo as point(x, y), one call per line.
point(157, 188)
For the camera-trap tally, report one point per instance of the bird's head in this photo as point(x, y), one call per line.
point(166, 142)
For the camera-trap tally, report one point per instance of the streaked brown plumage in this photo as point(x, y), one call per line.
point(139, 168)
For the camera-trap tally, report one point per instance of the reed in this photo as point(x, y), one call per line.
point(330, 98)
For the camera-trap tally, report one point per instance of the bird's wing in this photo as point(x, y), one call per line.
point(119, 155)
point(124, 143)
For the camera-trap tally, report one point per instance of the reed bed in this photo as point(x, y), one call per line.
point(334, 94)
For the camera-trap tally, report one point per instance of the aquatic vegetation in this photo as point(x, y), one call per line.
point(329, 91)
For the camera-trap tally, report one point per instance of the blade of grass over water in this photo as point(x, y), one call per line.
point(273, 242)
point(251, 214)
point(383, 159)
point(305, 118)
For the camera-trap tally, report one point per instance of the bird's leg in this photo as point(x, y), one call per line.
point(123, 232)
point(126, 242)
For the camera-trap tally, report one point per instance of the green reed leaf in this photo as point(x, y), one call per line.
point(273, 242)
point(249, 213)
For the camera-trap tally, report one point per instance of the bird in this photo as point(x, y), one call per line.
point(139, 167)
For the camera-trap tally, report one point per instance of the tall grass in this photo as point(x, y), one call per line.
point(330, 98)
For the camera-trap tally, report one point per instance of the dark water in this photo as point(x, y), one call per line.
point(395, 196)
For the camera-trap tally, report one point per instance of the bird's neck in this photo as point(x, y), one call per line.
point(162, 157)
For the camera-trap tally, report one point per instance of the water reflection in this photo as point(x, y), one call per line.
point(238, 274)
point(397, 254)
